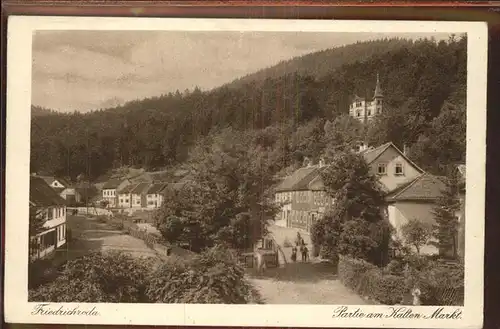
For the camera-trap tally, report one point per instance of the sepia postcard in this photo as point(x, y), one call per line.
point(233, 172)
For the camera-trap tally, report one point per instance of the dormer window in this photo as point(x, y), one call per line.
point(399, 169)
point(382, 169)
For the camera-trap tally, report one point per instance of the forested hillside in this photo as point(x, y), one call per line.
point(299, 113)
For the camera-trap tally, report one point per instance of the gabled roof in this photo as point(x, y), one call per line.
point(42, 195)
point(371, 155)
point(299, 180)
point(156, 188)
point(141, 188)
point(127, 189)
point(424, 187)
point(51, 179)
point(113, 183)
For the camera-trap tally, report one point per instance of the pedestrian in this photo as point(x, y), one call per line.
point(305, 252)
point(294, 254)
point(298, 240)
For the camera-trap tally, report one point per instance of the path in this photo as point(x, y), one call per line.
point(89, 234)
point(312, 282)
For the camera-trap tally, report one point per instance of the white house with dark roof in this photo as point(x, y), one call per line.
point(391, 166)
point(125, 196)
point(110, 190)
point(50, 208)
point(154, 196)
point(138, 194)
point(415, 200)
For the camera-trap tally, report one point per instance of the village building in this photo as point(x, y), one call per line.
point(138, 194)
point(71, 195)
point(50, 208)
point(125, 196)
point(391, 165)
point(415, 200)
point(365, 109)
point(302, 195)
point(110, 191)
point(56, 183)
point(154, 195)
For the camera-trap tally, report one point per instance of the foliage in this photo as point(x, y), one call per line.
point(228, 200)
point(447, 206)
point(355, 224)
point(416, 233)
point(212, 277)
point(369, 281)
point(97, 277)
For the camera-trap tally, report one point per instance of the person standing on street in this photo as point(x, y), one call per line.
point(305, 253)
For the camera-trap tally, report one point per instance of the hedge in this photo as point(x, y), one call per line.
point(368, 280)
point(440, 284)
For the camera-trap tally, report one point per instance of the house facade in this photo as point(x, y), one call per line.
point(110, 191)
point(71, 195)
point(365, 109)
point(415, 200)
point(391, 166)
point(138, 195)
point(154, 196)
point(125, 196)
point(49, 208)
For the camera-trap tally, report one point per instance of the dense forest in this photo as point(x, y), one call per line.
point(300, 112)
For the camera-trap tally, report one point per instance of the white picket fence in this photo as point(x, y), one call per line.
point(91, 211)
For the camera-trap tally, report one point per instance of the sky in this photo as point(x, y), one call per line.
point(87, 70)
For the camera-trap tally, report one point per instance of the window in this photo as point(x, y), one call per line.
point(379, 102)
point(399, 170)
point(138, 202)
point(358, 104)
point(358, 113)
point(382, 169)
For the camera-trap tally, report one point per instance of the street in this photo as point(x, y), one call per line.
point(91, 235)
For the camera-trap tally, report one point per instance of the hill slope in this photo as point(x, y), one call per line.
point(160, 131)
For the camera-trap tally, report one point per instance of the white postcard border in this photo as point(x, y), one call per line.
point(18, 310)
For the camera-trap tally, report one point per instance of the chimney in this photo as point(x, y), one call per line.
point(405, 150)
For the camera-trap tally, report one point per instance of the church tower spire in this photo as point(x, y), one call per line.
point(378, 90)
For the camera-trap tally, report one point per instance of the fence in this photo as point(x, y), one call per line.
point(152, 241)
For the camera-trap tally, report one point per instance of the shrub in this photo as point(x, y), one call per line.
point(97, 277)
point(212, 277)
point(369, 281)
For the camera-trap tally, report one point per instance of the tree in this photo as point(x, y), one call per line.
point(445, 214)
point(341, 135)
point(416, 233)
point(230, 178)
point(355, 225)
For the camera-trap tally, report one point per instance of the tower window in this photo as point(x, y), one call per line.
point(379, 102)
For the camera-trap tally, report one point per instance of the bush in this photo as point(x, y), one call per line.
point(369, 281)
point(213, 277)
point(97, 277)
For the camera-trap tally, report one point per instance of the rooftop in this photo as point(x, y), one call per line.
point(113, 183)
point(156, 188)
point(141, 188)
point(424, 187)
point(42, 195)
point(299, 180)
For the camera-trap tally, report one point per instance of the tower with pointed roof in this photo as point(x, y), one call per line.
point(365, 109)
